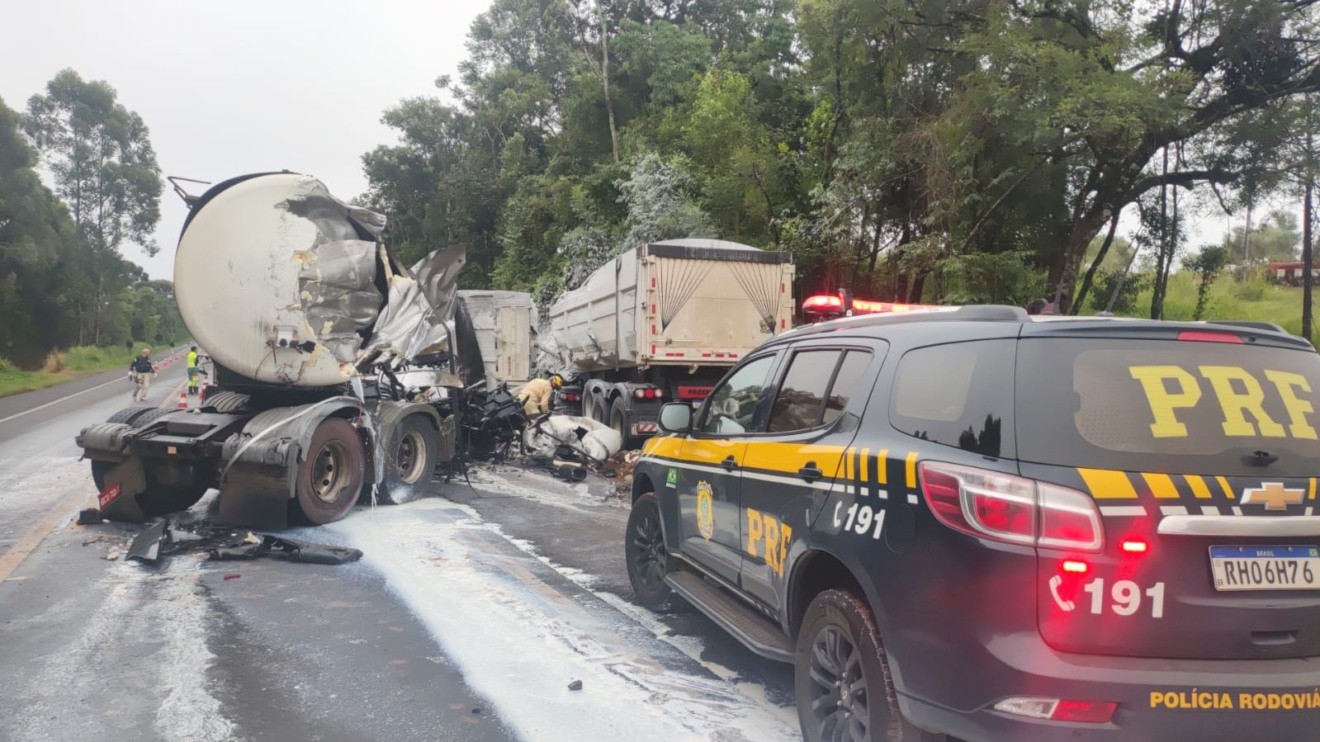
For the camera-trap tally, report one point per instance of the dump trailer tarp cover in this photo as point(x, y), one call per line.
point(285, 284)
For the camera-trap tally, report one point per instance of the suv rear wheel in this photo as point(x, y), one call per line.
point(844, 691)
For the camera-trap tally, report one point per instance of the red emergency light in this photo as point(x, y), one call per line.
point(828, 306)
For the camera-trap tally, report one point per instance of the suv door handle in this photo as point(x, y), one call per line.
point(729, 463)
point(810, 473)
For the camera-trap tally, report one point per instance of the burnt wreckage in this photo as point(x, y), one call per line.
point(340, 373)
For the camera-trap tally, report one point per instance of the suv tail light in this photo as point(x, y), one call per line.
point(1003, 507)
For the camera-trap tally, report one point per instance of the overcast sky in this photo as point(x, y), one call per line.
point(240, 86)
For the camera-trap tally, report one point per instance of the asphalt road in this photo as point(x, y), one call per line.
point(468, 617)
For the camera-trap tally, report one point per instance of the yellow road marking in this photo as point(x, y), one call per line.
point(38, 533)
point(70, 503)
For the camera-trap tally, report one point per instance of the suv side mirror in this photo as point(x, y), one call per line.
point(676, 417)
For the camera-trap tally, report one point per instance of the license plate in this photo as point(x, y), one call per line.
point(110, 494)
point(1238, 568)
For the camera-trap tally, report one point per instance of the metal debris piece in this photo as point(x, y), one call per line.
point(148, 545)
point(89, 517)
point(575, 685)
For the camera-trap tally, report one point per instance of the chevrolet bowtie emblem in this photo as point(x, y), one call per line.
point(1273, 495)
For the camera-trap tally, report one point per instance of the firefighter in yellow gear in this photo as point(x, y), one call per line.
point(537, 394)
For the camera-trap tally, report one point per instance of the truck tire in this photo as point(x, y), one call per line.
point(618, 420)
point(157, 498)
point(227, 402)
point(409, 460)
point(129, 414)
point(647, 558)
point(841, 675)
point(150, 417)
point(330, 475)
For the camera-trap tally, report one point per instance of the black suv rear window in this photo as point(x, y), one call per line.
point(959, 395)
point(1167, 406)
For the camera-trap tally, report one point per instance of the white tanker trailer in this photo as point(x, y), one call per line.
point(335, 372)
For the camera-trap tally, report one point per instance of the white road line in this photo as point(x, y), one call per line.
point(15, 416)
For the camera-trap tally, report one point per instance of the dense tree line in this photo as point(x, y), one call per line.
point(959, 150)
point(63, 278)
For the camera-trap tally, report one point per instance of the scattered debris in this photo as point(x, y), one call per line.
point(93, 540)
point(232, 577)
point(289, 550)
point(575, 685)
point(112, 555)
point(89, 517)
point(225, 544)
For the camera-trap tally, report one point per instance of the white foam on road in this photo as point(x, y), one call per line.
point(147, 644)
point(519, 641)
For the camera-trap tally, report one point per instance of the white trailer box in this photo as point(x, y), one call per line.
point(688, 302)
point(505, 324)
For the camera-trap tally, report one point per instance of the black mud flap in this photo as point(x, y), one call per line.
point(123, 484)
point(257, 496)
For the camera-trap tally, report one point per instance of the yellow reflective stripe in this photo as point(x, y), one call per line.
point(866, 454)
point(1106, 484)
point(1223, 484)
point(669, 447)
point(1199, 489)
point(882, 461)
point(1161, 486)
point(787, 458)
point(912, 470)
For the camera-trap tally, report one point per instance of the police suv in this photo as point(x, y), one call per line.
point(995, 526)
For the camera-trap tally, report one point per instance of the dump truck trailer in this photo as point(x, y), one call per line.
point(665, 322)
point(336, 376)
point(504, 323)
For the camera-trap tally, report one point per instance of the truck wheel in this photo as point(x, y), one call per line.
point(841, 676)
point(409, 460)
point(330, 475)
point(618, 421)
point(646, 556)
point(129, 414)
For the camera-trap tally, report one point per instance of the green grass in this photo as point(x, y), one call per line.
point(62, 366)
point(1255, 299)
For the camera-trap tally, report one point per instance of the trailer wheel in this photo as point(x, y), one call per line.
point(409, 460)
point(330, 475)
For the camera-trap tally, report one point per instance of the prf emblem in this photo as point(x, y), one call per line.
point(705, 510)
point(1273, 495)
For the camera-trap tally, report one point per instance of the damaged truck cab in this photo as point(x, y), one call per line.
point(335, 378)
